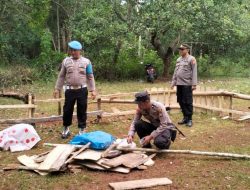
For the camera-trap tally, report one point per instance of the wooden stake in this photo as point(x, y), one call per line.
point(77, 153)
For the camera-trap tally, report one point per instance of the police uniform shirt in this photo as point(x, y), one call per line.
point(157, 116)
point(77, 72)
point(185, 71)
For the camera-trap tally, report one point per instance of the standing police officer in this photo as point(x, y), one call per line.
point(158, 126)
point(77, 73)
point(185, 78)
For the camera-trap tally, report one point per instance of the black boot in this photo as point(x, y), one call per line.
point(184, 121)
point(189, 123)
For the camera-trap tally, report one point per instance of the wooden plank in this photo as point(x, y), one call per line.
point(111, 147)
point(44, 119)
point(56, 158)
point(129, 112)
point(143, 183)
point(120, 101)
point(129, 160)
point(245, 117)
point(120, 169)
point(89, 155)
point(77, 153)
point(138, 162)
point(95, 166)
point(18, 106)
point(15, 95)
point(41, 157)
point(222, 110)
point(30, 163)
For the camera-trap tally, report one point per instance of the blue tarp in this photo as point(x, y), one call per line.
point(99, 140)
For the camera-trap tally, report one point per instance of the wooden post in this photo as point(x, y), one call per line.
point(59, 109)
point(230, 106)
point(99, 102)
point(164, 97)
point(30, 102)
point(220, 103)
point(33, 102)
point(169, 98)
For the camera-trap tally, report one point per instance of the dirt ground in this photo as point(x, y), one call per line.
point(209, 133)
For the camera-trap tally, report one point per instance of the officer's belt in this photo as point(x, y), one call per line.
point(75, 87)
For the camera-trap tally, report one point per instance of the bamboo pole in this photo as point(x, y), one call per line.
point(194, 152)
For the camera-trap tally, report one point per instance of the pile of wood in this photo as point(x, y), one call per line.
point(65, 157)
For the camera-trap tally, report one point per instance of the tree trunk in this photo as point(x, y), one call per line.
point(166, 62)
point(117, 52)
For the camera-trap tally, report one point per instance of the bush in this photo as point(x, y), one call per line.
point(16, 75)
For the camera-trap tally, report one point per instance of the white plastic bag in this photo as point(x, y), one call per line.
point(123, 143)
point(18, 138)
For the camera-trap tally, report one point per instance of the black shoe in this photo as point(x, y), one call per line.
point(189, 123)
point(184, 121)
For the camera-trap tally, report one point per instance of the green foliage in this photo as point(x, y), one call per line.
point(34, 33)
point(48, 60)
point(230, 67)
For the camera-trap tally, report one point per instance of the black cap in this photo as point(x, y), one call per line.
point(142, 97)
point(184, 46)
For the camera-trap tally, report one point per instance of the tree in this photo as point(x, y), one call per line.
point(165, 24)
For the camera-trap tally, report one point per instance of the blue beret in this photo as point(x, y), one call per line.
point(75, 45)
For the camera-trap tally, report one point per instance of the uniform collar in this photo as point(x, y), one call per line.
point(75, 59)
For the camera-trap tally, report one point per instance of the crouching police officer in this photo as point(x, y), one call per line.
point(76, 72)
point(185, 78)
point(159, 126)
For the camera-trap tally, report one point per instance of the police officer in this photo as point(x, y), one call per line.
point(76, 73)
point(158, 126)
point(185, 78)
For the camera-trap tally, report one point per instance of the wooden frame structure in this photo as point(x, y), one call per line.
point(205, 100)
